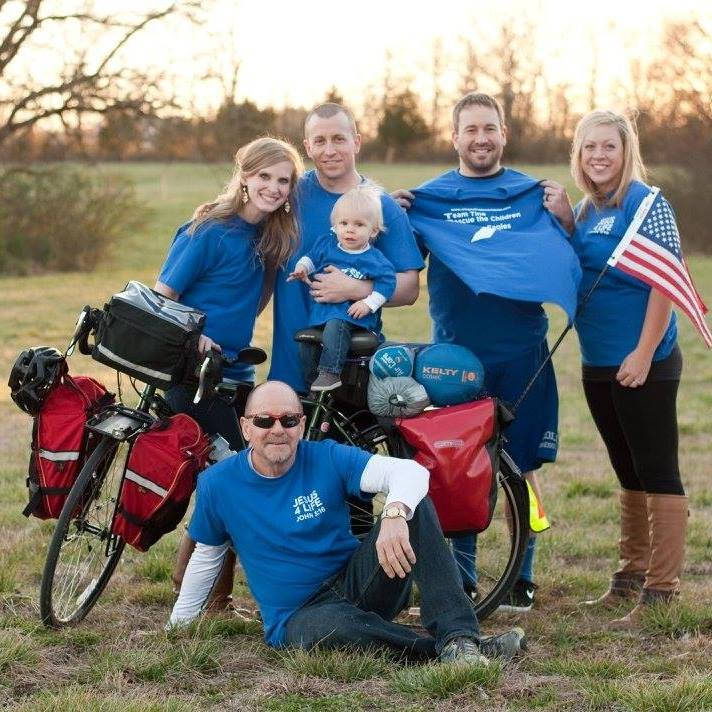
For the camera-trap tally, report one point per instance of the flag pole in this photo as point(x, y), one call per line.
point(557, 343)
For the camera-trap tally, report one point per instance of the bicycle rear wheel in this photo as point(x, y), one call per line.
point(501, 547)
point(83, 552)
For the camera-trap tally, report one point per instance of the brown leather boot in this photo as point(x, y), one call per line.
point(634, 547)
point(667, 518)
point(220, 598)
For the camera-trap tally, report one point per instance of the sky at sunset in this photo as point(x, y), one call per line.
point(292, 53)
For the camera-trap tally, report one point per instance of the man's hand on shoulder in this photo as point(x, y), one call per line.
point(395, 554)
point(403, 197)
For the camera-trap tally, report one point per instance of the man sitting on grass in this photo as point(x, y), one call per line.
point(282, 506)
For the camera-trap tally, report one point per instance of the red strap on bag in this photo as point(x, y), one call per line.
point(459, 446)
point(59, 442)
point(159, 480)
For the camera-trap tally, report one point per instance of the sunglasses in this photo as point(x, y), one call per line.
point(289, 420)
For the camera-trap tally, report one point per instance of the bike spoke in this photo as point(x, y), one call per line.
point(87, 549)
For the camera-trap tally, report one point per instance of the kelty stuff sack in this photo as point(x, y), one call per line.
point(60, 444)
point(160, 477)
point(451, 374)
point(392, 360)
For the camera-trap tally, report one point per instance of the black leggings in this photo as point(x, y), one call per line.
point(639, 429)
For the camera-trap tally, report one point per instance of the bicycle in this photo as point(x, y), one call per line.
point(500, 548)
point(83, 552)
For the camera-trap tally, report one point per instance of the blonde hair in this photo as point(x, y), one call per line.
point(364, 199)
point(279, 231)
point(632, 169)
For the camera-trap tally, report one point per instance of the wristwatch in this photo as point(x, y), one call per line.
point(393, 512)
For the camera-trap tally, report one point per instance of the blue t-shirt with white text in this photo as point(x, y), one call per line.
point(610, 322)
point(291, 533)
point(216, 271)
point(292, 302)
point(495, 328)
point(369, 264)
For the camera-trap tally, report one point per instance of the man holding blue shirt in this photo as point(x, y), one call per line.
point(281, 505)
point(332, 142)
point(507, 333)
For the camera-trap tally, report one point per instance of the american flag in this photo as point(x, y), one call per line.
point(650, 250)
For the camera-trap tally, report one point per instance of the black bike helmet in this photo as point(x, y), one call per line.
point(35, 371)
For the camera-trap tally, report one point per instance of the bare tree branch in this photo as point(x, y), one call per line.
point(82, 87)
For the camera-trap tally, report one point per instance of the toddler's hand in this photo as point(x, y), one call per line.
point(299, 273)
point(359, 309)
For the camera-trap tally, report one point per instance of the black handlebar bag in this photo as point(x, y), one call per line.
point(148, 336)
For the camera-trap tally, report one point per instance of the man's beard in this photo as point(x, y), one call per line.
point(493, 159)
point(277, 453)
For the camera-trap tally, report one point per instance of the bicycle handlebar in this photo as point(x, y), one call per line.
point(211, 368)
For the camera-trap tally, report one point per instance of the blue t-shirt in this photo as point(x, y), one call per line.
point(291, 299)
point(369, 264)
point(496, 329)
point(292, 532)
point(493, 328)
point(610, 322)
point(216, 270)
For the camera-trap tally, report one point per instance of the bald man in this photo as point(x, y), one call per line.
point(281, 504)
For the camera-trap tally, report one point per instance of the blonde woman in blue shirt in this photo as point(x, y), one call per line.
point(631, 367)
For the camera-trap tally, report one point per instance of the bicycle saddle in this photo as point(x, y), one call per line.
point(363, 343)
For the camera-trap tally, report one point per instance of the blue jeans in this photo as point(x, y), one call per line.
point(355, 608)
point(331, 356)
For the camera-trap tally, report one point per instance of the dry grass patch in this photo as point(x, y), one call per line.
point(86, 700)
point(679, 619)
point(340, 665)
point(440, 680)
point(685, 694)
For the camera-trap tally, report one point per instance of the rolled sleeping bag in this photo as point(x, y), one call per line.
point(450, 373)
point(396, 397)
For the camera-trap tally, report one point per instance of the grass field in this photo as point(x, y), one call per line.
point(121, 660)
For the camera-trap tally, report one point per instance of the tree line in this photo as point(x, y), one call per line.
point(102, 110)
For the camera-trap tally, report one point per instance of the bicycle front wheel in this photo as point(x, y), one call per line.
point(500, 548)
point(83, 552)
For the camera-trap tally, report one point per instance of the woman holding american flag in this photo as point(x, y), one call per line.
point(631, 361)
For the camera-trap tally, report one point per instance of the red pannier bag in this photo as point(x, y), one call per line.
point(60, 445)
point(160, 478)
point(459, 445)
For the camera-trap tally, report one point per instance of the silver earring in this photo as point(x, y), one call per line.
point(287, 206)
point(245, 194)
